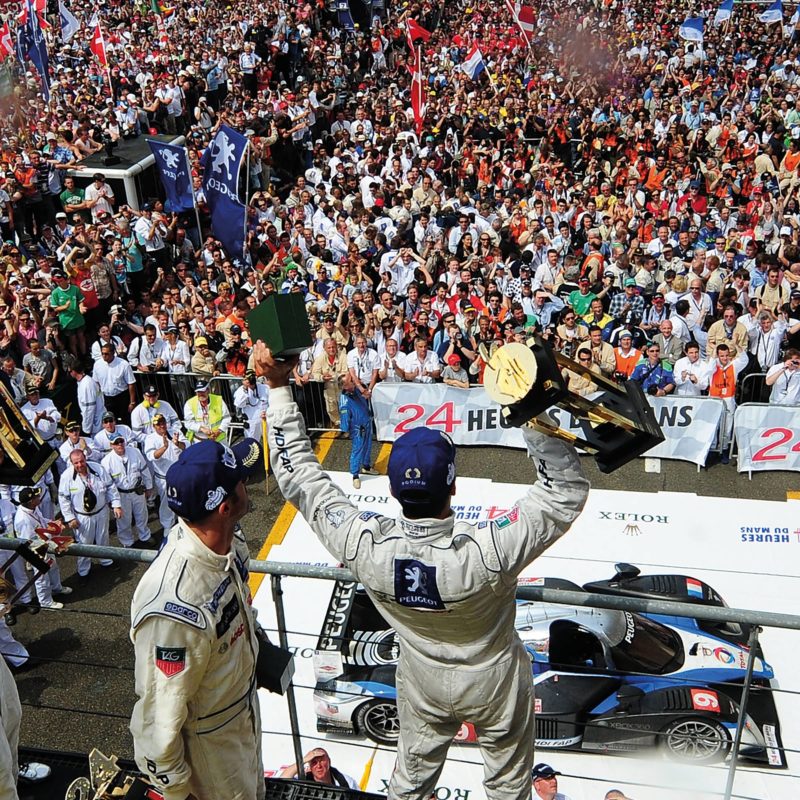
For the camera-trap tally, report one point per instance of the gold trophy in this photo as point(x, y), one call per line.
point(24, 455)
point(616, 425)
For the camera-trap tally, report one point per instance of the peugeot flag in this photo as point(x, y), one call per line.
point(173, 167)
point(31, 46)
point(69, 22)
point(221, 163)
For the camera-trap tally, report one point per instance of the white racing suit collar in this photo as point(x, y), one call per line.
point(427, 527)
point(189, 543)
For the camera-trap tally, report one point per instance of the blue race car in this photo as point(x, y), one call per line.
point(606, 681)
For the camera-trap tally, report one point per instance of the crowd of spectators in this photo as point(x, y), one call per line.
point(629, 195)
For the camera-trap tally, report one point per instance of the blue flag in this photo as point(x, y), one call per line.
point(31, 46)
point(773, 14)
point(724, 12)
point(173, 167)
point(221, 163)
point(692, 29)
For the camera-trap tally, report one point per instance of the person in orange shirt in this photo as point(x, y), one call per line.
point(626, 356)
point(724, 373)
point(788, 169)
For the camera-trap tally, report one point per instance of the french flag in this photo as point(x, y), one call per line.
point(473, 64)
point(694, 588)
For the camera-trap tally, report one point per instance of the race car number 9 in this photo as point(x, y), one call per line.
point(444, 416)
point(705, 700)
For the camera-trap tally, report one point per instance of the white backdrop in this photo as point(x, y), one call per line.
point(746, 549)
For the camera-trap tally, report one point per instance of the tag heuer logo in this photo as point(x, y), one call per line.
point(171, 660)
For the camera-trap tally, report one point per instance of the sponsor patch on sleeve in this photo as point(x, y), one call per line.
point(415, 585)
point(366, 516)
point(229, 612)
point(181, 611)
point(171, 660)
point(507, 519)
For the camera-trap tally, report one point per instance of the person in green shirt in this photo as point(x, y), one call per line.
point(73, 200)
point(66, 300)
point(581, 298)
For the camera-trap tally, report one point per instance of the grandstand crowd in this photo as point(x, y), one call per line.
point(630, 196)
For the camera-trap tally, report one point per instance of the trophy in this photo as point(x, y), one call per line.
point(35, 558)
point(281, 322)
point(109, 781)
point(24, 455)
point(616, 425)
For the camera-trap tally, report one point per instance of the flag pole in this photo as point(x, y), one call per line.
point(419, 90)
point(246, 162)
point(194, 197)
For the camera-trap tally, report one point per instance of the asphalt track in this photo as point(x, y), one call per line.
point(79, 693)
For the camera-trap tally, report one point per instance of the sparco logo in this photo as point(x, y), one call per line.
point(283, 455)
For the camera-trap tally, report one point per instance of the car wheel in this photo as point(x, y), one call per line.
point(699, 740)
point(378, 720)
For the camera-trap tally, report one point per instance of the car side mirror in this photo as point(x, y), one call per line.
point(625, 571)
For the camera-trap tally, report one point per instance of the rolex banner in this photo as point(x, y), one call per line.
point(468, 415)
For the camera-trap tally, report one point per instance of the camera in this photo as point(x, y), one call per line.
point(652, 390)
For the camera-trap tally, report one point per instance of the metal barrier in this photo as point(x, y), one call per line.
point(720, 615)
point(177, 388)
point(754, 384)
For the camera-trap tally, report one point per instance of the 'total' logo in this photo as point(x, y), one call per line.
point(171, 660)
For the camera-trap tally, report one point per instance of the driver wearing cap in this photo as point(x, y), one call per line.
point(447, 587)
point(196, 726)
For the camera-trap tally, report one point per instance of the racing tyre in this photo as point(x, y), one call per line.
point(698, 740)
point(378, 720)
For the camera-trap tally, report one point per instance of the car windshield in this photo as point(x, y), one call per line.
point(647, 647)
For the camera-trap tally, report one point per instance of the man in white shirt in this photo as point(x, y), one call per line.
point(252, 400)
point(115, 379)
point(148, 353)
point(784, 378)
point(363, 364)
point(100, 196)
point(690, 373)
point(766, 338)
point(43, 416)
point(150, 232)
point(422, 365)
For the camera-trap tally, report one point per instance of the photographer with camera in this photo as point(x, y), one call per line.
point(654, 375)
point(784, 379)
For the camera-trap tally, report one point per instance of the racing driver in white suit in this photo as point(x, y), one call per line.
point(196, 726)
point(447, 587)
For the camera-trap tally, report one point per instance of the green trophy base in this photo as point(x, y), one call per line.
point(281, 323)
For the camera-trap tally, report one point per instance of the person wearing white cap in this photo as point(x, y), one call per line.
point(27, 520)
point(85, 492)
point(129, 471)
point(162, 449)
point(142, 416)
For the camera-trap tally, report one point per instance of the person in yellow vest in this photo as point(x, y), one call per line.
point(724, 373)
point(205, 416)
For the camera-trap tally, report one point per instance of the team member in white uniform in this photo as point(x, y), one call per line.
point(16, 569)
point(465, 661)
point(142, 415)
point(110, 429)
point(196, 726)
point(27, 519)
point(84, 495)
point(90, 400)
point(162, 450)
point(252, 399)
point(128, 470)
point(43, 416)
point(75, 440)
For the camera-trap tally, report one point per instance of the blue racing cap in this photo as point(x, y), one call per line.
point(208, 472)
point(422, 467)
